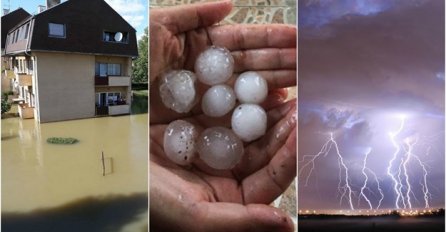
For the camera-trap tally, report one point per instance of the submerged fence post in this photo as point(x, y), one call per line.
point(103, 164)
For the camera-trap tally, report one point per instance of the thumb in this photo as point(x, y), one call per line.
point(183, 18)
point(230, 217)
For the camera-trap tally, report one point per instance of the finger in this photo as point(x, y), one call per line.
point(275, 79)
point(269, 182)
point(259, 153)
point(222, 217)
point(274, 99)
point(265, 59)
point(183, 18)
point(240, 37)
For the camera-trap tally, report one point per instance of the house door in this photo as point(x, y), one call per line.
point(101, 104)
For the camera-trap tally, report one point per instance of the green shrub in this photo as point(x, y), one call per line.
point(6, 106)
point(60, 140)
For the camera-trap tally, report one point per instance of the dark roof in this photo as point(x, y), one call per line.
point(10, 20)
point(85, 22)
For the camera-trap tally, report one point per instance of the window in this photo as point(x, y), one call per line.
point(21, 34)
point(30, 66)
point(16, 35)
point(112, 98)
point(108, 99)
point(117, 37)
point(114, 70)
point(56, 30)
point(104, 69)
point(26, 31)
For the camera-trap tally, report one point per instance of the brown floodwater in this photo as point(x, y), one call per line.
point(42, 179)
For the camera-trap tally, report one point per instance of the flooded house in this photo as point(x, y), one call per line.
point(72, 60)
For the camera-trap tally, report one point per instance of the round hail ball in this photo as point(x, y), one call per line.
point(177, 90)
point(218, 100)
point(249, 122)
point(179, 142)
point(214, 66)
point(220, 148)
point(250, 87)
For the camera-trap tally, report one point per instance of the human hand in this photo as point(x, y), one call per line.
point(198, 198)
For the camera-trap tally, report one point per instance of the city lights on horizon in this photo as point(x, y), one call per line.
point(363, 212)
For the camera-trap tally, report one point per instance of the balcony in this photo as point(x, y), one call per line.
point(119, 81)
point(100, 80)
point(118, 109)
point(25, 80)
point(26, 112)
point(112, 80)
point(9, 74)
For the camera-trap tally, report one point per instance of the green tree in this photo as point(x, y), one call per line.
point(6, 106)
point(140, 71)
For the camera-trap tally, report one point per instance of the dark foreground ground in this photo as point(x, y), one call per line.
point(372, 224)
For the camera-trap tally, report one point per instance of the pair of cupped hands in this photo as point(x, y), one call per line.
point(197, 198)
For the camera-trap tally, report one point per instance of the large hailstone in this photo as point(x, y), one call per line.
point(177, 90)
point(179, 142)
point(249, 122)
point(250, 87)
point(220, 148)
point(218, 100)
point(214, 66)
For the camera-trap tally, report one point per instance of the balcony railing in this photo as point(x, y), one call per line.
point(25, 79)
point(118, 109)
point(100, 80)
point(119, 81)
point(25, 111)
point(112, 80)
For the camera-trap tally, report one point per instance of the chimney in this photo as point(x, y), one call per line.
point(51, 3)
point(5, 11)
point(40, 8)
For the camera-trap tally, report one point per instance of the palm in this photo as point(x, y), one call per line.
point(268, 165)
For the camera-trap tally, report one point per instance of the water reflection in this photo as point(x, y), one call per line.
point(38, 175)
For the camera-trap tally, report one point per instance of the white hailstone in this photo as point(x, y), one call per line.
point(220, 148)
point(214, 66)
point(218, 100)
point(249, 122)
point(177, 90)
point(250, 87)
point(179, 142)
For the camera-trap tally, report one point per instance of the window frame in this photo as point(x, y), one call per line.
point(108, 67)
point(57, 36)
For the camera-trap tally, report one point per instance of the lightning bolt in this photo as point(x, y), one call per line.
point(397, 169)
point(396, 183)
point(400, 188)
point(424, 184)
point(324, 151)
point(406, 176)
point(343, 169)
point(341, 161)
point(378, 186)
point(364, 186)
